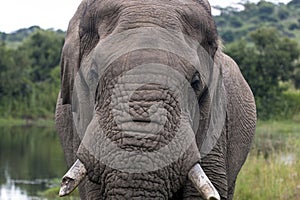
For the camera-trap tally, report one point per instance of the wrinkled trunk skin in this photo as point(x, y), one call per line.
point(135, 130)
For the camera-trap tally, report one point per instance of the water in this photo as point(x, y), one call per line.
point(30, 159)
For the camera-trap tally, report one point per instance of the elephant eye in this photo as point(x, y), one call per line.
point(199, 87)
point(196, 82)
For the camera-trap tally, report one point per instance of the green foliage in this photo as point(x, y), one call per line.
point(263, 14)
point(294, 26)
point(295, 3)
point(268, 61)
point(228, 36)
point(296, 78)
point(283, 14)
point(265, 8)
point(16, 38)
point(19, 35)
point(291, 103)
point(236, 22)
point(43, 49)
point(268, 57)
point(13, 84)
point(29, 78)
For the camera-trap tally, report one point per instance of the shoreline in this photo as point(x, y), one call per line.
point(41, 122)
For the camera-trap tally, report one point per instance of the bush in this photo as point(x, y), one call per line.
point(293, 26)
point(236, 22)
point(221, 22)
point(265, 8)
point(291, 103)
point(283, 14)
point(297, 79)
point(228, 36)
point(268, 61)
point(295, 3)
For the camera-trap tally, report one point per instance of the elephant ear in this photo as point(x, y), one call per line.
point(212, 105)
point(71, 56)
point(206, 5)
point(241, 118)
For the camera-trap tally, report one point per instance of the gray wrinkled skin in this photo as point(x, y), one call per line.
point(146, 94)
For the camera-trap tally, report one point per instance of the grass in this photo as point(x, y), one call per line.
point(272, 170)
point(262, 179)
point(52, 194)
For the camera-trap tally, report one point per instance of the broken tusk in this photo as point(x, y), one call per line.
point(72, 178)
point(203, 184)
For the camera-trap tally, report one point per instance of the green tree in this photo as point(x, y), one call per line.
point(43, 49)
point(29, 75)
point(14, 77)
point(265, 8)
point(265, 63)
point(296, 78)
point(295, 3)
point(283, 13)
point(236, 22)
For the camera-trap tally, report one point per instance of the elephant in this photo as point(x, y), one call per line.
point(150, 107)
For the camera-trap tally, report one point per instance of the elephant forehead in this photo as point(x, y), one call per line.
point(192, 17)
point(115, 46)
point(108, 7)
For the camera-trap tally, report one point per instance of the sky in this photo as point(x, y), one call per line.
point(16, 14)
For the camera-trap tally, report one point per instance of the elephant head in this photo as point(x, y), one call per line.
point(145, 101)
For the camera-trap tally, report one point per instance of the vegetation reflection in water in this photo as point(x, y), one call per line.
point(30, 158)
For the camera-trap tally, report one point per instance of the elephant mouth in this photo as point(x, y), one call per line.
point(141, 121)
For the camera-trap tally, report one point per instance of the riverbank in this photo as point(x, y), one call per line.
point(40, 122)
